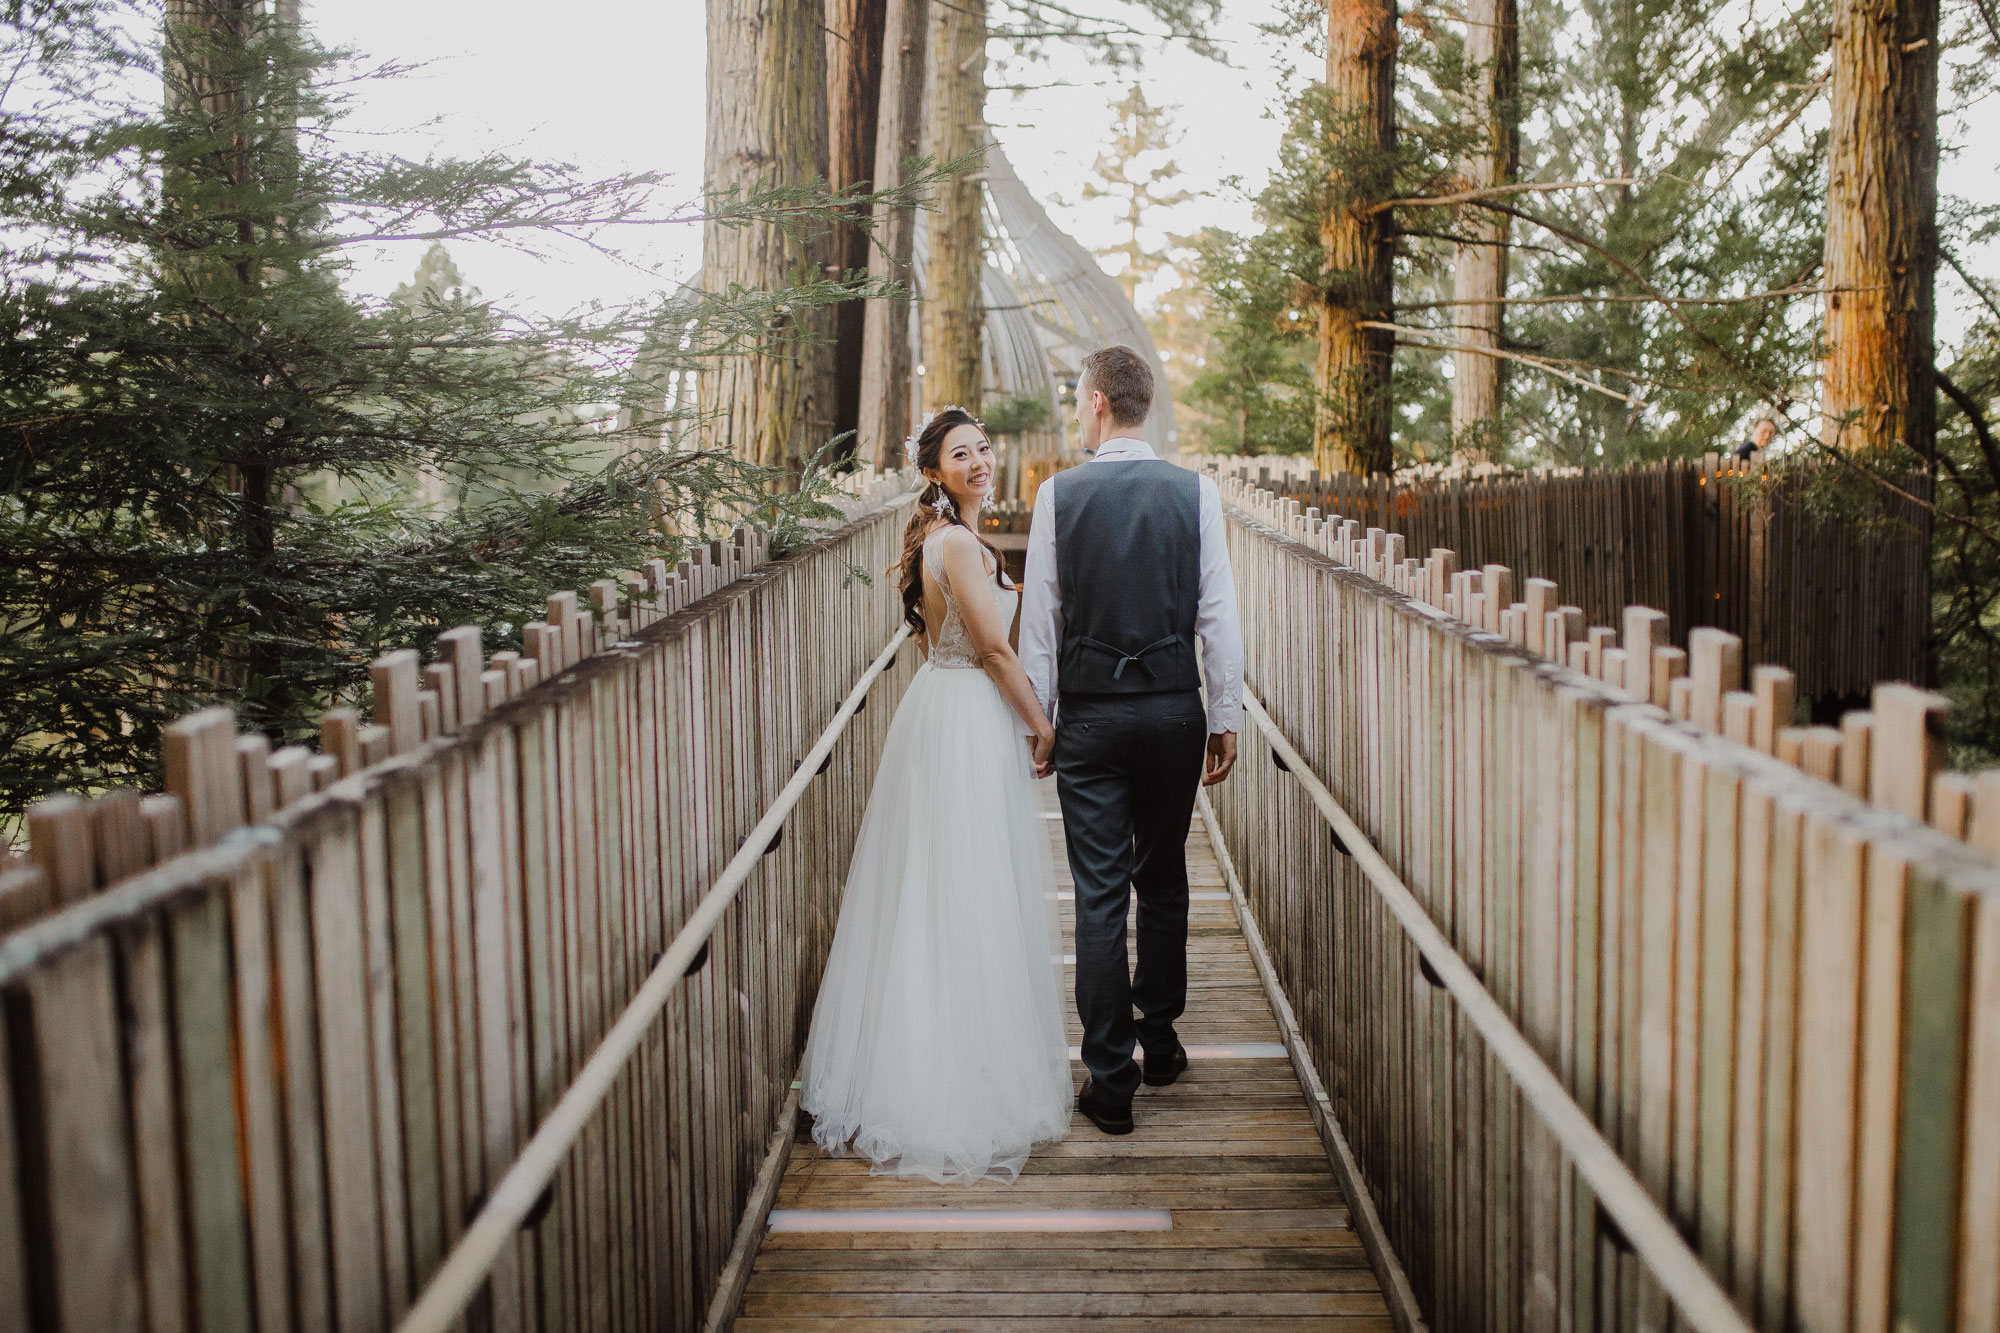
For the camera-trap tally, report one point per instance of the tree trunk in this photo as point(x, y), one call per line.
point(1881, 227)
point(885, 341)
point(853, 89)
point(767, 127)
point(205, 74)
point(1352, 373)
point(955, 124)
point(1492, 44)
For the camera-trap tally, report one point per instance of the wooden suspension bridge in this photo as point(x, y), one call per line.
point(1543, 980)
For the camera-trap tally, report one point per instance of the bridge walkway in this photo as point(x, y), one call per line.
point(1227, 1163)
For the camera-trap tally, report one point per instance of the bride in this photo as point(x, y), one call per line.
point(937, 1044)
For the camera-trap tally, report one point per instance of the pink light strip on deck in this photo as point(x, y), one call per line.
point(971, 1219)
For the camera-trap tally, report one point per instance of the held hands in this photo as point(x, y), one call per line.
point(1041, 746)
point(1221, 757)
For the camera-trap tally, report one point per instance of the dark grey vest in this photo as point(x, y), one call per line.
point(1128, 564)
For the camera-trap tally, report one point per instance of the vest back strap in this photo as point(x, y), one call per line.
point(1126, 659)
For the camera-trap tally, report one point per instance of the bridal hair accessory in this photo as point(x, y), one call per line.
point(910, 441)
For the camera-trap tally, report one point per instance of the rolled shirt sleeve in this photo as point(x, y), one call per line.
point(1215, 618)
point(1041, 602)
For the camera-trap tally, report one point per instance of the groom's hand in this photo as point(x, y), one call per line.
point(1221, 757)
point(1043, 748)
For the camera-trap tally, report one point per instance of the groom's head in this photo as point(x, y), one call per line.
point(1113, 395)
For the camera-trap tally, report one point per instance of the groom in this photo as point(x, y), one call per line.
point(1126, 567)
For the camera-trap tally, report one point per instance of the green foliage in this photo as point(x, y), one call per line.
point(1679, 94)
point(1253, 393)
point(1016, 413)
point(210, 444)
point(1965, 566)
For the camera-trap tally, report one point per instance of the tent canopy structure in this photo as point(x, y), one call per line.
point(1048, 305)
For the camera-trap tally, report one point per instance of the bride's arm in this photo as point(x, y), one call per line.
point(965, 565)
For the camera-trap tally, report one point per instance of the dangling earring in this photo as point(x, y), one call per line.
point(942, 504)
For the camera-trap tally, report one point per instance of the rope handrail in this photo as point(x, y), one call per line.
point(1679, 1271)
point(465, 1270)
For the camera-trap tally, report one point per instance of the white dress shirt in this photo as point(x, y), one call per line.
point(1215, 617)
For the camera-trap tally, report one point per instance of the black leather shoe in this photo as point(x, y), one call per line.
point(1097, 1108)
point(1159, 1073)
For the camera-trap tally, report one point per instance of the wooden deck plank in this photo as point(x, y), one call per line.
point(1260, 1229)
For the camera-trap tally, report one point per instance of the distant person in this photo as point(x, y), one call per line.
point(1758, 440)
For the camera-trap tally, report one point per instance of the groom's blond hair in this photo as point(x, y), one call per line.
point(1125, 380)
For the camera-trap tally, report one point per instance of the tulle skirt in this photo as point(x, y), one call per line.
point(937, 1044)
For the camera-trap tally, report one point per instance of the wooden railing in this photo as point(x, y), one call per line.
point(1579, 926)
point(1709, 542)
point(219, 779)
point(271, 1082)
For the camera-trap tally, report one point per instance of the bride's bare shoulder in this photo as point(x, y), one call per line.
point(953, 536)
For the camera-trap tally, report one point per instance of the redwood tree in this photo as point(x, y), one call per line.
point(954, 126)
point(1351, 374)
point(1881, 227)
point(1493, 49)
point(853, 89)
point(773, 403)
point(884, 416)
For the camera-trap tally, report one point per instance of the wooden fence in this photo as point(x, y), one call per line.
point(1710, 542)
point(270, 1082)
point(1619, 1014)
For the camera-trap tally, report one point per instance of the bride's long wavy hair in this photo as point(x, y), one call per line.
point(925, 521)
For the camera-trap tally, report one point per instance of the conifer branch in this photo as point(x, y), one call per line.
point(1500, 191)
point(1539, 363)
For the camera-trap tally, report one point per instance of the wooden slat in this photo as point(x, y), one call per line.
point(1908, 748)
point(202, 770)
point(261, 1053)
point(297, 997)
point(24, 895)
point(15, 1308)
point(384, 1054)
point(463, 651)
point(1830, 965)
point(392, 678)
point(118, 828)
point(340, 739)
point(346, 1082)
point(60, 842)
point(82, 1192)
point(218, 1221)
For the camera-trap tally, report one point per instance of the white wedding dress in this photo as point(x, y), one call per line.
point(937, 1045)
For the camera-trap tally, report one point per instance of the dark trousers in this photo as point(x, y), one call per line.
point(1127, 769)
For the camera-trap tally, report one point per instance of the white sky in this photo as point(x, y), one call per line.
point(617, 85)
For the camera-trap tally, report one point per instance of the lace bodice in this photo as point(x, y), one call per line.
point(951, 646)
